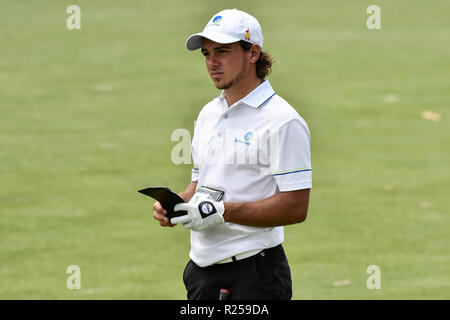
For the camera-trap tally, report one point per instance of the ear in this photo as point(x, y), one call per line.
point(254, 53)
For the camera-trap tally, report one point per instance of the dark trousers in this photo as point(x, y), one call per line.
point(264, 276)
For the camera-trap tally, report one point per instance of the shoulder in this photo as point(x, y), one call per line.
point(209, 110)
point(282, 112)
point(210, 106)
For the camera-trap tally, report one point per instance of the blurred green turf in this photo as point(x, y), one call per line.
point(86, 118)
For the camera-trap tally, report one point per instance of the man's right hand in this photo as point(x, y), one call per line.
point(159, 213)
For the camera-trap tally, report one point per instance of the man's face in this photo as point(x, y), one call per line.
point(225, 63)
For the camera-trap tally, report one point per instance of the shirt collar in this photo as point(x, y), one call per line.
point(257, 97)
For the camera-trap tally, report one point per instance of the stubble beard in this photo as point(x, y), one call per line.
point(235, 80)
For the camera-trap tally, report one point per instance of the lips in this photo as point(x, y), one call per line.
point(216, 74)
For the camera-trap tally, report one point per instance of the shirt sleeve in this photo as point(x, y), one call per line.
point(196, 169)
point(290, 163)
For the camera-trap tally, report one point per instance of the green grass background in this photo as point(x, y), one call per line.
point(86, 118)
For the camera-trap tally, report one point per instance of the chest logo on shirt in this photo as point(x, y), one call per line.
point(257, 148)
point(247, 138)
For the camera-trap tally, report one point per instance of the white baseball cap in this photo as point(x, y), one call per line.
point(228, 26)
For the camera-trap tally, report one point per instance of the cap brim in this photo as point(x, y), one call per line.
point(194, 42)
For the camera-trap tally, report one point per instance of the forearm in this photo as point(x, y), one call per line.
point(189, 192)
point(281, 209)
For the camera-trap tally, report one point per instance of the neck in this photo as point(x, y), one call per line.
point(241, 89)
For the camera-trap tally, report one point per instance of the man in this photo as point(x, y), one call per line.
point(251, 144)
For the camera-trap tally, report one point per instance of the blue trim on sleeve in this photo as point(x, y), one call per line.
point(280, 174)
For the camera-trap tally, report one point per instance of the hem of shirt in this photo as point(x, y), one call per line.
point(295, 186)
point(208, 264)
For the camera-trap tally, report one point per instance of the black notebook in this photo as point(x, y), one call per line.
point(167, 198)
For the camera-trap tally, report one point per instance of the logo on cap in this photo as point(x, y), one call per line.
point(247, 35)
point(217, 20)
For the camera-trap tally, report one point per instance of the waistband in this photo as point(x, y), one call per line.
point(240, 256)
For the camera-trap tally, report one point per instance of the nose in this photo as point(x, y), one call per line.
point(212, 60)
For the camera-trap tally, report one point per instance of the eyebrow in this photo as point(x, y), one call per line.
point(216, 48)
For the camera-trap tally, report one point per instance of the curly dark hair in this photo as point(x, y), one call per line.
point(264, 63)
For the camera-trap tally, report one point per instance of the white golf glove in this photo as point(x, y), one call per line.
point(202, 213)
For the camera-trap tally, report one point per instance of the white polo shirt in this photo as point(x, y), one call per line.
point(252, 150)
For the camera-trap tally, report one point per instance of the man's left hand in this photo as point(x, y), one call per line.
point(202, 214)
